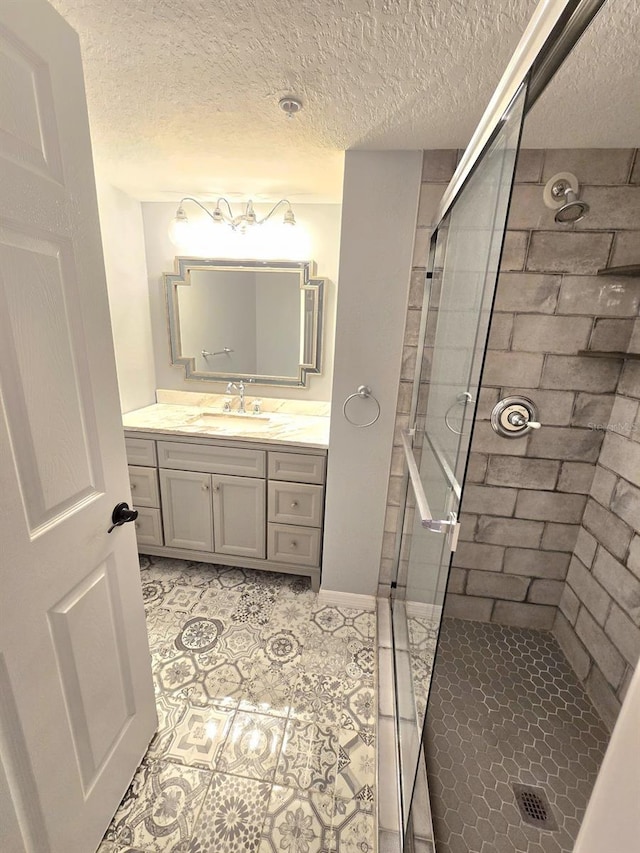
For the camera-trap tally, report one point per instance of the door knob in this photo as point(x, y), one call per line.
point(121, 515)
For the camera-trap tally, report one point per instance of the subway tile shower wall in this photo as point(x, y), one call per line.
point(550, 522)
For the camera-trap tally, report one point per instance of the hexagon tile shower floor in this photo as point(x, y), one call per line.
point(506, 710)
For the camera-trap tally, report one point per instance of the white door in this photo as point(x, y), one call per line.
point(186, 510)
point(239, 516)
point(76, 695)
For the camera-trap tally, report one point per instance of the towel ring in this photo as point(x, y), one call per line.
point(462, 399)
point(364, 392)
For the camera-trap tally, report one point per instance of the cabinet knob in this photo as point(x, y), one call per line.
point(294, 544)
point(294, 504)
point(205, 487)
point(133, 485)
point(216, 488)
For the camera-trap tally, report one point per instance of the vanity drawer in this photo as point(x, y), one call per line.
point(289, 544)
point(296, 467)
point(144, 486)
point(212, 459)
point(140, 451)
point(295, 503)
point(148, 526)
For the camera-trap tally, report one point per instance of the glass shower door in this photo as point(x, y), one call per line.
point(465, 256)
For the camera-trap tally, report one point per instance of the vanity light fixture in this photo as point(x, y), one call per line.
point(222, 213)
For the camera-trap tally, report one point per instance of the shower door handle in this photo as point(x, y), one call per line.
point(449, 525)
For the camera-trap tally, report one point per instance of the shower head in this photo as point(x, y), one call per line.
point(561, 195)
point(572, 210)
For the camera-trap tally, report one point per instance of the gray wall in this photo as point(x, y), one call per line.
point(437, 170)
point(525, 500)
point(598, 624)
point(379, 210)
point(124, 259)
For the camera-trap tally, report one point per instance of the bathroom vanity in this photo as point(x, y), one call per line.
point(219, 487)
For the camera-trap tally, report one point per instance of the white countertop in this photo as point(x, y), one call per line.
point(298, 430)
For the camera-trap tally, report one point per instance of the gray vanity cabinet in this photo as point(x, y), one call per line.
point(239, 515)
point(186, 509)
point(241, 504)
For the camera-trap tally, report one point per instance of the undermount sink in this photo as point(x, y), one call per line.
point(249, 419)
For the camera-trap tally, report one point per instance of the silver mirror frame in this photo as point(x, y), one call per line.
point(311, 293)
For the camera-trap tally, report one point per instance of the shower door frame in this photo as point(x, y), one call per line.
point(552, 33)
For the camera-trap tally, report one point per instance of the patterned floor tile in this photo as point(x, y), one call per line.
point(308, 758)
point(232, 815)
point(199, 634)
point(318, 698)
point(182, 598)
point(345, 622)
point(198, 736)
point(237, 645)
point(169, 715)
point(264, 693)
point(353, 828)
point(293, 613)
point(224, 683)
point(356, 769)
point(298, 823)
point(325, 654)
point(359, 710)
point(154, 589)
point(159, 810)
point(217, 603)
point(267, 691)
point(361, 659)
point(232, 578)
point(252, 746)
point(294, 586)
point(281, 649)
point(177, 673)
point(255, 606)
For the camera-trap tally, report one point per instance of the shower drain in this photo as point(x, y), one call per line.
point(534, 807)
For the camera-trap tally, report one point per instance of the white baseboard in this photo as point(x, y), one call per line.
point(424, 611)
point(347, 599)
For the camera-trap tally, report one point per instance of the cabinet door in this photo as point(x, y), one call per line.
point(239, 513)
point(186, 510)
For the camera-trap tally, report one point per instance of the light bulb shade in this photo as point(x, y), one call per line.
point(289, 218)
point(179, 228)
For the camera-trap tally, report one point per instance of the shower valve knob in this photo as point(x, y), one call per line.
point(514, 417)
point(519, 420)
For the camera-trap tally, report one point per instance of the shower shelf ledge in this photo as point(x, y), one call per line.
point(628, 270)
point(590, 353)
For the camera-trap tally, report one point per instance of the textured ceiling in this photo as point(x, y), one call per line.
point(183, 94)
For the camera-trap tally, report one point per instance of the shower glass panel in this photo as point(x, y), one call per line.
point(460, 284)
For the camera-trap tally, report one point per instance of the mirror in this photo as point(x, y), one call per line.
point(254, 320)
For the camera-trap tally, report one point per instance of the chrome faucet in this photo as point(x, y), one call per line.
point(240, 388)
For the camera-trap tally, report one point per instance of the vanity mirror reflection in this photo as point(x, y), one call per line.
point(254, 320)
